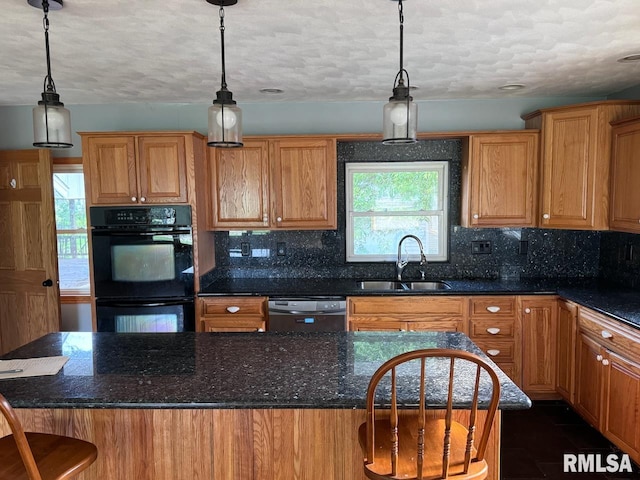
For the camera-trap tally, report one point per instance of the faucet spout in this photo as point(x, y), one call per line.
point(401, 264)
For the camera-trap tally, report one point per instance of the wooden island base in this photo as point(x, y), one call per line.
point(221, 444)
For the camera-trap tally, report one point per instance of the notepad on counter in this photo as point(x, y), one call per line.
point(31, 367)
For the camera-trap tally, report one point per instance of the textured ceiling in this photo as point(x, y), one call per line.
point(150, 51)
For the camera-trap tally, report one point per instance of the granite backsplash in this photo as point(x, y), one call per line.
point(516, 252)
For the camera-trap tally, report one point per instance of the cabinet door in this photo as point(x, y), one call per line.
point(588, 379)
point(111, 166)
point(539, 323)
point(162, 169)
point(503, 180)
point(304, 183)
point(239, 186)
point(621, 410)
point(569, 168)
point(567, 318)
point(625, 194)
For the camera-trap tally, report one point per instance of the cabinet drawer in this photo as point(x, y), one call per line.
point(497, 329)
point(234, 306)
point(436, 325)
point(498, 351)
point(235, 324)
point(610, 333)
point(409, 305)
point(377, 326)
point(494, 307)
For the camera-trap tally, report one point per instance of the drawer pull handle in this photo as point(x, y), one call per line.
point(493, 352)
point(605, 362)
point(606, 334)
point(261, 329)
point(493, 309)
point(233, 309)
point(599, 358)
point(493, 330)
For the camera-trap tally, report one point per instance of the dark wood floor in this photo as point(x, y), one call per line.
point(534, 441)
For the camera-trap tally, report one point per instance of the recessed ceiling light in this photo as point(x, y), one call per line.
point(630, 58)
point(512, 86)
point(271, 91)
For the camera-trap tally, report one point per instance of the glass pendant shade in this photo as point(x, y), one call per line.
point(51, 126)
point(399, 121)
point(225, 125)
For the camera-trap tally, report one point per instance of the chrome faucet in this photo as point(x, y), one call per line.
point(401, 264)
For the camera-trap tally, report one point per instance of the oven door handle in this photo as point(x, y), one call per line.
point(164, 303)
point(137, 233)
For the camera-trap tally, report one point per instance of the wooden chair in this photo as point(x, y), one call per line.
point(40, 456)
point(416, 446)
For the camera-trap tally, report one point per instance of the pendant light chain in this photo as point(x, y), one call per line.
point(224, 75)
point(401, 15)
point(49, 84)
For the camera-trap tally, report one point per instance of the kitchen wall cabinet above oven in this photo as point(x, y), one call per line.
point(273, 183)
point(575, 162)
point(125, 168)
point(500, 182)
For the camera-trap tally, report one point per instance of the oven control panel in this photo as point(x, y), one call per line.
point(139, 216)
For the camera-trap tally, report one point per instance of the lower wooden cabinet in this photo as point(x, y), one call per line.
point(232, 314)
point(588, 379)
point(539, 331)
point(566, 349)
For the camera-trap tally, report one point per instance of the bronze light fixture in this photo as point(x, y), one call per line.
point(400, 115)
point(51, 121)
point(225, 118)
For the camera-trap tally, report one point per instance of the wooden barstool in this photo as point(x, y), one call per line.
point(413, 446)
point(40, 456)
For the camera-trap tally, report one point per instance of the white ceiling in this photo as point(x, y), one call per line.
point(150, 51)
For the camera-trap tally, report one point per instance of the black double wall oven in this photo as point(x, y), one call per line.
point(143, 268)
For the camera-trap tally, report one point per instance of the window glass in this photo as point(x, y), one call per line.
point(71, 229)
point(386, 201)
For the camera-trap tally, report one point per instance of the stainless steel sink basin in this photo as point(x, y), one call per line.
point(383, 285)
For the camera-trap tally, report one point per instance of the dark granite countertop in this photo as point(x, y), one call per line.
point(227, 370)
point(619, 303)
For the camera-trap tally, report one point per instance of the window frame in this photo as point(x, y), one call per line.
point(442, 166)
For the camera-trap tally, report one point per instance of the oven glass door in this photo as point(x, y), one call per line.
point(150, 316)
point(142, 263)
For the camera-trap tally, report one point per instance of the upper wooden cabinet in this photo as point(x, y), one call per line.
point(123, 168)
point(625, 176)
point(576, 154)
point(500, 180)
point(275, 183)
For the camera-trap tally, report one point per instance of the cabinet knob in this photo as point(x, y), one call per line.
point(476, 216)
point(493, 352)
point(279, 219)
point(261, 329)
point(599, 358)
point(606, 334)
point(493, 309)
point(493, 330)
point(527, 310)
point(605, 362)
point(265, 218)
point(133, 199)
point(546, 216)
point(13, 183)
point(233, 309)
point(143, 199)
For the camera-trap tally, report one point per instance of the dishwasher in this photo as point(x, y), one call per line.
point(308, 314)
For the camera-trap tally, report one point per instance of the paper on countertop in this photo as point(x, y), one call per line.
point(32, 367)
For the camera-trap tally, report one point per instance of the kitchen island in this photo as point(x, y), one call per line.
point(222, 406)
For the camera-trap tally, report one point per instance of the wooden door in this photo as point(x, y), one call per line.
point(568, 172)
point(589, 371)
point(625, 165)
point(566, 354)
point(304, 183)
point(539, 324)
point(162, 169)
point(28, 250)
point(110, 166)
point(238, 180)
point(503, 182)
point(620, 421)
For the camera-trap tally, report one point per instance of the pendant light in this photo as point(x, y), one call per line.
point(51, 121)
point(400, 115)
point(225, 118)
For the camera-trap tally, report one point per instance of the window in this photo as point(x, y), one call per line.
point(386, 201)
point(71, 229)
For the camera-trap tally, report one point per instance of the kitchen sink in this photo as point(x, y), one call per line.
point(383, 285)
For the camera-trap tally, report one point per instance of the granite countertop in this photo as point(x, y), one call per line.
point(229, 370)
point(620, 303)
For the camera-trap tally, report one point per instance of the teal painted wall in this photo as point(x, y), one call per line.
point(280, 118)
point(632, 93)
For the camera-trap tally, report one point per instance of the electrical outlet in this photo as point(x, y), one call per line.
point(480, 247)
point(281, 249)
point(523, 247)
point(245, 249)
